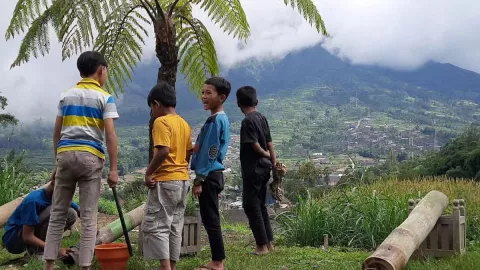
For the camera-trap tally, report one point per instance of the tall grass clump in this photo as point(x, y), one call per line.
point(363, 216)
point(13, 178)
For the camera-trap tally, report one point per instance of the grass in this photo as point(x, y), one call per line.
point(363, 216)
point(291, 257)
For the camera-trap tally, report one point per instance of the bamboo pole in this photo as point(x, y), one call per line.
point(396, 249)
point(114, 230)
point(7, 209)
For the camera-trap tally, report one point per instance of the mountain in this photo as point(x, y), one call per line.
point(374, 87)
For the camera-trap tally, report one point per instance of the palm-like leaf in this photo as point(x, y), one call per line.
point(309, 11)
point(197, 53)
point(228, 14)
point(121, 32)
point(121, 43)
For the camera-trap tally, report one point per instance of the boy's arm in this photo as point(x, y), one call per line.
point(259, 150)
point(29, 237)
point(161, 135)
point(109, 115)
point(57, 133)
point(111, 137)
point(160, 155)
point(270, 146)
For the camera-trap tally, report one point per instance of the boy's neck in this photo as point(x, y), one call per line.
point(217, 109)
point(93, 78)
point(168, 111)
point(247, 110)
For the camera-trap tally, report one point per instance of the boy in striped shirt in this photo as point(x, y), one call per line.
point(85, 113)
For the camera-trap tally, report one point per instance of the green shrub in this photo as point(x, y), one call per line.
point(191, 209)
point(13, 178)
point(107, 207)
point(365, 215)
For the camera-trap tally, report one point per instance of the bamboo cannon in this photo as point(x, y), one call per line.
point(114, 230)
point(7, 209)
point(396, 249)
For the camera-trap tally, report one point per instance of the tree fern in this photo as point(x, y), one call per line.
point(121, 43)
point(117, 29)
point(197, 52)
point(228, 14)
point(309, 11)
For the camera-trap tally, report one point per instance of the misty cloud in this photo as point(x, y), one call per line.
point(401, 34)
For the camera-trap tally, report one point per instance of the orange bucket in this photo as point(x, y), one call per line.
point(112, 256)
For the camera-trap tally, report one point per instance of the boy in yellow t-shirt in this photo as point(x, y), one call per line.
point(167, 178)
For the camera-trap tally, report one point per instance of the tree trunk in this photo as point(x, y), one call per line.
point(396, 249)
point(167, 53)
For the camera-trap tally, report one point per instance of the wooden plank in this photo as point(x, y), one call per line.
point(445, 237)
point(185, 236)
point(445, 220)
point(438, 253)
point(433, 237)
point(191, 234)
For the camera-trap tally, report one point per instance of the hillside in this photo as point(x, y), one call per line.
point(315, 103)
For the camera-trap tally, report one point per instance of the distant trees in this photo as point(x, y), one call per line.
point(6, 118)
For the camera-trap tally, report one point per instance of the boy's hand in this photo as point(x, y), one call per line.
point(112, 179)
point(149, 181)
point(197, 191)
point(267, 154)
point(63, 252)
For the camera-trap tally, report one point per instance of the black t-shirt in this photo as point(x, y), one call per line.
point(254, 129)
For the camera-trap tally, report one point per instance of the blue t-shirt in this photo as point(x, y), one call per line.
point(27, 213)
point(211, 145)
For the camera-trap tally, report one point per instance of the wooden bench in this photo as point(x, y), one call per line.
point(448, 237)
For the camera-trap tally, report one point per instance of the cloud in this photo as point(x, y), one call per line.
point(400, 34)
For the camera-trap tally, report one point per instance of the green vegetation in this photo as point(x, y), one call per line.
point(364, 215)
point(13, 178)
point(6, 118)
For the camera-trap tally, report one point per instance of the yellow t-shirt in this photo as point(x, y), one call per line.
point(175, 133)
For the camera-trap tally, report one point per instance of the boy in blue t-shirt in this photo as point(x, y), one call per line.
point(208, 154)
point(27, 227)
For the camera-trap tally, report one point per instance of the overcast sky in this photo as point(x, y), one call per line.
point(400, 34)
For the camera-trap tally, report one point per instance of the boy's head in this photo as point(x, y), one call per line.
point(92, 64)
point(215, 92)
point(161, 97)
point(246, 97)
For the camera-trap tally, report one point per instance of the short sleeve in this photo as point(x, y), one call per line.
point(29, 214)
point(60, 108)
point(110, 110)
point(161, 133)
point(248, 134)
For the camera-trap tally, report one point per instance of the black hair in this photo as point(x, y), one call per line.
point(88, 63)
point(247, 96)
point(221, 85)
point(163, 93)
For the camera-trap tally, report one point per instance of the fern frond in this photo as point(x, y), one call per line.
point(197, 53)
point(309, 11)
point(120, 40)
point(25, 12)
point(229, 15)
point(36, 42)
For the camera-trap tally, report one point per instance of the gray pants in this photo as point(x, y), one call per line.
point(85, 169)
point(163, 223)
point(40, 231)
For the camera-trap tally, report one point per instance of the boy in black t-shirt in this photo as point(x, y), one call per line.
point(257, 157)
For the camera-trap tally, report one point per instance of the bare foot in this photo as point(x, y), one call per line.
point(261, 250)
point(216, 265)
point(270, 247)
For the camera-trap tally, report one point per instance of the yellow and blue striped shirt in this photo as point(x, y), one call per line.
point(83, 109)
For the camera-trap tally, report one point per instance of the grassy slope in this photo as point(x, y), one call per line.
point(290, 257)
